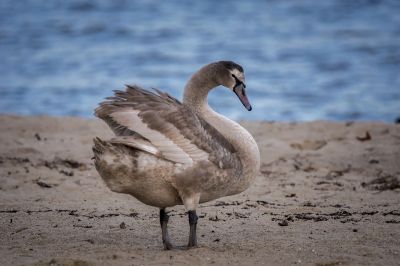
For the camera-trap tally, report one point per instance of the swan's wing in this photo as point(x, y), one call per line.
point(177, 132)
point(136, 142)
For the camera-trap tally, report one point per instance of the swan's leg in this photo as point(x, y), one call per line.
point(164, 230)
point(191, 201)
point(193, 224)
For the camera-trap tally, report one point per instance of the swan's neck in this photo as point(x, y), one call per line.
point(196, 91)
point(195, 97)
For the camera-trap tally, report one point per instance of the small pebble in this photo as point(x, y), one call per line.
point(122, 225)
point(283, 223)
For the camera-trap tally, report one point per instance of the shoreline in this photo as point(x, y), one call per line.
point(327, 193)
point(93, 117)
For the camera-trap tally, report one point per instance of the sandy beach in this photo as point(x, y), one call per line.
point(328, 193)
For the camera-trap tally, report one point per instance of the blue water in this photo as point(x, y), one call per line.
point(304, 60)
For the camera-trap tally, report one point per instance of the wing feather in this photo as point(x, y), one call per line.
point(174, 129)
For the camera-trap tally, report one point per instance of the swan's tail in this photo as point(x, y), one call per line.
point(128, 166)
point(99, 148)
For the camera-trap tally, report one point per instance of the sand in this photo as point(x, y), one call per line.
point(328, 193)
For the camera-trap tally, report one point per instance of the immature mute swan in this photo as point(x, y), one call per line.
point(167, 153)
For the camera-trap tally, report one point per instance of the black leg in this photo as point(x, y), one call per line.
point(193, 224)
point(164, 230)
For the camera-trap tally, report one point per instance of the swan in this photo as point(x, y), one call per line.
point(166, 152)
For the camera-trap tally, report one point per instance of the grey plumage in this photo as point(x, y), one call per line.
point(168, 152)
point(159, 109)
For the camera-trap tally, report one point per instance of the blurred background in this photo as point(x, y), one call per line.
point(304, 60)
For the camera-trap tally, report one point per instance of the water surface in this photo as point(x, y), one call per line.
point(304, 60)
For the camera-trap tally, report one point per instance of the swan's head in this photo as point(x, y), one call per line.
point(231, 75)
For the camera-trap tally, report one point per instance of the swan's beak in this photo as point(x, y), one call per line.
point(240, 91)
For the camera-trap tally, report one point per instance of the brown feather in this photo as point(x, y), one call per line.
point(160, 111)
